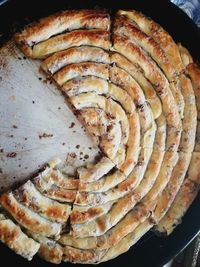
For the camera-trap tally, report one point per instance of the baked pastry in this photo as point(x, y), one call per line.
point(137, 95)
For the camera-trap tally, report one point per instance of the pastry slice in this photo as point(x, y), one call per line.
point(85, 85)
point(107, 182)
point(30, 197)
point(94, 172)
point(184, 198)
point(161, 85)
point(55, 177)
point(104, 130)
point(189, 122)
point(186, 146)
point(12, 236)
point(193, 71)
point(74, 55)
point(134, 53)
point(120, 208)
point(84, 214)
point(125, 26)
point(29, 219)
point(81, 256)
point(53, 191)
point(61, 22)
point(136, 72)
point(99, 38)
point(124, 245)
point(49, 249)
point(160, 35)
point(76, 70)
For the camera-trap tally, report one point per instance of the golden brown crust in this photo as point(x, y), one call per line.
point(53, 191)
point(49, 250)
point(173, 186)
point(79, 70)
point(151, 72)
point(124, 27)
point(94, 172)
point(161, 36)
point(184, 198)
point(85, 214)
point(128, 241)
point(15, 239)
point(136, 72)
point(82, 256)
point(99, 38)
point(105, 183)
point(28, 195)
point(74, 55)
point(27, 218)
point(60, 22)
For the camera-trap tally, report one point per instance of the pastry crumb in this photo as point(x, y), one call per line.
point(72, 125)
point(45, 135)
point(11, 155)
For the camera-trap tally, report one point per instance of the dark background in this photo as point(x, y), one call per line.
point(150, 251)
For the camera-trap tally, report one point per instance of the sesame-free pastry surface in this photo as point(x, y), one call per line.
point(137, 94)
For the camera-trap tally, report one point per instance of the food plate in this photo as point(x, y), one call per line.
point(151, 250)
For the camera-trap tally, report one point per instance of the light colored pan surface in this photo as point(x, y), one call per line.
point(29, 110)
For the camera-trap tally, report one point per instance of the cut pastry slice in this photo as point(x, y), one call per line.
point(85, 214)
point(172, 188)
point(161, 36)
point(30, 197)
point(87, 198)
point(81, 69)
point(74, 55)
point(187, 143)
point(104, 130)
point(111, 108)
point(60, 22)
point(124, 26)
point(85, 85)
point(189, 123)
point(136, 72)
point(94, 172)
point(107, 182)
point(105, 222)
point(15, 239)
point(55, 177)
point(51, 190)
point(99, 38)
point(184, 198)
point(128, 241)
point(136, 55)
point(29, 219)
point(82, 256)
point(49, 249)
point(190, 185)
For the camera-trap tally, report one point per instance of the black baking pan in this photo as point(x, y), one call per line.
point(151, 250)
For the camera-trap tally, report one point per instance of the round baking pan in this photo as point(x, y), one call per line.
point(151, 250)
